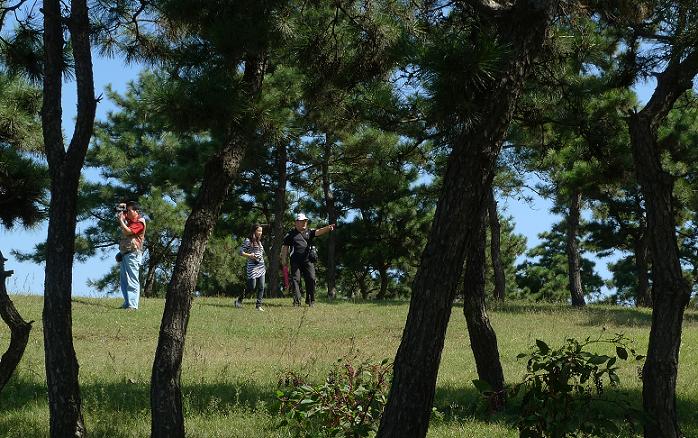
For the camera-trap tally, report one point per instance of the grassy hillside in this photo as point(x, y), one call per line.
point(234, 357)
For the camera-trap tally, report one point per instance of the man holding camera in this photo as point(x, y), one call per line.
point(132, 227)
point(303, 257)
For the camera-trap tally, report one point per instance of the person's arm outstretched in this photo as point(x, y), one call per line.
point(325, 229)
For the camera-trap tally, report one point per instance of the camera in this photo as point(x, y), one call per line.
point(120, 208)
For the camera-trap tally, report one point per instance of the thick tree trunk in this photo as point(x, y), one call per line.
point(670, 291)
point(277, 231)
point(64, 170)
point(483, 339)
point(19, 329)
point(495, 248)
point(463, 196)
point(574, 271)
point(219, 172)
point(332, 218)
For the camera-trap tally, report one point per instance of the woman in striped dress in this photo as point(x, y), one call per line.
point(253, 250)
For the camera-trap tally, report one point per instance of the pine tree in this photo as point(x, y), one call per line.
point(474, 85)
point(668, 27)
point(23, 185)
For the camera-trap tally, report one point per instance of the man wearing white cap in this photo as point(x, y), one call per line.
point(303, 257)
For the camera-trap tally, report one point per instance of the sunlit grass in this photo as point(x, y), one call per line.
point(234, 357)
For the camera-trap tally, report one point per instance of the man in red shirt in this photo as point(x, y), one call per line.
point(131, 252)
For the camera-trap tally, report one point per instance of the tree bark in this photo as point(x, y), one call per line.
point(573, 265)
point(332, 218)
point(149, 286)
point(670, 290)
point(483, 339)
point(363, 287)
point(219, 172)
point(64, 170)
point(278, 225)
point(463, 196)
point(19, 329)
point(644, 295)
point(383, 291)
point(495, 248)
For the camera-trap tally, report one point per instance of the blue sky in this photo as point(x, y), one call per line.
point(530, 219)
point(28, 277)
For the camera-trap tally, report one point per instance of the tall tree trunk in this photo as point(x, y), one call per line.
point(219, 172)
point(463, 196)
point(149, 284)
point(670, 291)
point(19, 329)
point(278, 225)
point(495, 248)
point(643, 294)
point(483, 339)
point(332, 218)
point(64, 170)
point(383, 273)
point(574, 271)
point(363, 287)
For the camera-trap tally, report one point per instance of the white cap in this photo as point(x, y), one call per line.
point(301, 217)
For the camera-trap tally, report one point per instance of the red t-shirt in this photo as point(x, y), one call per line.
point(136, 227)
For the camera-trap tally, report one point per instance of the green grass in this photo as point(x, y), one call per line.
point(234, 356)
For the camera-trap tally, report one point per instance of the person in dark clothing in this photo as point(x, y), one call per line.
point(297, 244)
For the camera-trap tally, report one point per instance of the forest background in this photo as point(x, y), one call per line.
point(406, 123)
point(531, 214)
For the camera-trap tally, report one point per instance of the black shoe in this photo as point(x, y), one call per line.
point(311, 304)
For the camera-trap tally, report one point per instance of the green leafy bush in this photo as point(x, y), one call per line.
point(348, 404)
point(563, 390)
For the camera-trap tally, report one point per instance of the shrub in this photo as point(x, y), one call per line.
point(563, 389)
point(348, 404)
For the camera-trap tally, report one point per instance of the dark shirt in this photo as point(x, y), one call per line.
point(298, 244)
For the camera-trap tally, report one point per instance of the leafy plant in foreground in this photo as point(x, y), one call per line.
point(348, 404)
point(563, 390)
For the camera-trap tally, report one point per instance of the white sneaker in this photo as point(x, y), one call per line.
point(238, 304)
point(260, 309)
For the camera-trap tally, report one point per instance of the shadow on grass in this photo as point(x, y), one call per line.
point(108, 405)
point(134, 397)
point(465, 404)
point(249, 302)
point(98, 303)
point(627, 316)
point(462, 405)
point(361, 301)
point(597, 315)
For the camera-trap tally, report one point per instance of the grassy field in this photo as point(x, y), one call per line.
point(234, 357)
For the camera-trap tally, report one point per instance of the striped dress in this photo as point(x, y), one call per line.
point(254, 269)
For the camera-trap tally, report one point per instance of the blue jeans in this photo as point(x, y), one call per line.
point(128, 276)
point(252, 284)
